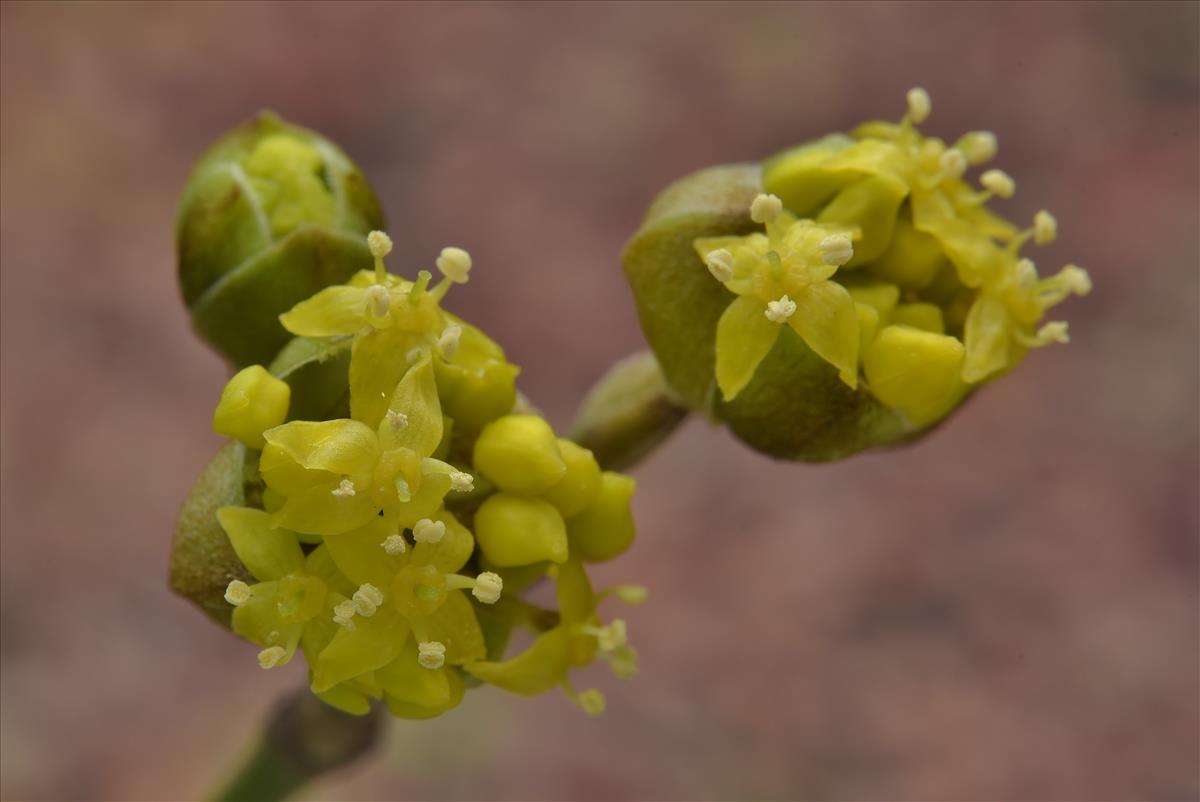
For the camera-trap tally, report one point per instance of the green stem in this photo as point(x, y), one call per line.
point(628, 413)
point(304, 737)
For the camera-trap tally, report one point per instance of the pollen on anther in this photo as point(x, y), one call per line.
point(377, 300)
point(397, 420)
point(613, 636)
point(1045, 227)
point(1054, 332)
point(379, 243)
point(271, 657)
point(919, 105)
point(343, 614)
point(978, 146)
point(999, 183)
point(953, 163)
point(836, 249)
point(455, 264)
point(592, 701)
point(488, 587)
point(720, 264)
point(366, 599)
point(462, 482)
point(431, 654)
point(780, 311)
point(429, 531)
point(765, 208)
point(238, 593)
point(1026, 273)
point(345, 489)
point(395, 545)
point(448, 341)
point(1077, 279)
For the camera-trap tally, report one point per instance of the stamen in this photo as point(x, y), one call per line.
point(377, 301)
point(462, 482)
point(592, 701)
point(455, 264)
point(238, 593)
point(398, 420)
point(403, 491)
point(269, 658)
point(765, 208)
point(919, 105)
point(1045, 227)
point(978, 146)
point(366, 599)
point(953, 163)
point(836, 249)
point(431, 654)
point(419, 286)
point(345, 489)
point(612, 637)
point(1054, 332)
point(379, 243)
point(429, 531)
point(629, 594)
point(395, 545)
point(999, 183)
point(1026, 274)
point(343, 614)
point(779, 311)
point(488, 587)
point(448, 342)
point(720, 264)
point(1077, 279)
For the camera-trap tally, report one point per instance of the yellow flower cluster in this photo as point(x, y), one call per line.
point(392, 544)
point(889, 265)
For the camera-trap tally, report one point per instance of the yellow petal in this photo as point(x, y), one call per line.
point(268, 553)
point(359, 553)
point(344, 447)
point(827, 321)
point(373, 643)
point(318, 511)
point(377, 361)
point(451, 552)
point(332, 311)
point(744, 338)
point(988, 338)
point(454, 625)
point(536, 670)
point(871, 204)
point(416, 398)
point(916, 372)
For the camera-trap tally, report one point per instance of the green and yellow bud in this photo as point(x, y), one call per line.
point(271, 214)
point(514, 530)
point(519, 454)
point(252, 402)
point(845, 294)
point(605, 529)
point(578, 487)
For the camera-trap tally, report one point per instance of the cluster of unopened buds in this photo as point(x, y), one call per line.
point(391, 545)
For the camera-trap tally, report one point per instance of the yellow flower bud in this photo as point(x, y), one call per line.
point(512, 531)
point(519, 453)
point(578, 487)
point(605, 529)
point(252, 402)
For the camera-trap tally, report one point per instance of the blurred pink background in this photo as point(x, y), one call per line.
point(1007, 610)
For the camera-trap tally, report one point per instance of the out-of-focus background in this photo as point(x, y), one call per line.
point(1007, 610)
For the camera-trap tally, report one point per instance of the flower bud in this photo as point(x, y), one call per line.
point(578, 487)
point(512, 530)
point(798, 340)
point(271, 214)
point(605, 529)
point(519, 453)
point(252, 402)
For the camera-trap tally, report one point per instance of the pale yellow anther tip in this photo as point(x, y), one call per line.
point(836, 249)
point(765, 208)
point(1045, 227)
point(395, 545)
point(429, 531)
point(780, 311)
point(343, 614)
point(462, 482)
point(720, 264)
point(953, 163)
point(345, 489)
point(613, 636)
point(488, 587)
point(1077, 279)
point(455, 264)
point(237, 593)
point(1026, 273)
point(379, 243)
point(431, 655)
point(366, 599)
point(272, 656)
point(919, 105)
point(999, 183)
point(979, 147)
point(377, 300)
point(448, 341)
point(1054, 332)
point(592, 702)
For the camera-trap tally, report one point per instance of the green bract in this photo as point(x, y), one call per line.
point(845, 294)
point(359, 526)
point(271, 214)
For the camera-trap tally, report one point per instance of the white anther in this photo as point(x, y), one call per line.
point(612, 637)
point(455, 264)
point(592, 701)
point(978, 146)
point(1045, 227)
point(403, 491)
point(237, 593)
point(431, 654)
point(395, 545)
point(631, 594)
point(1077, 279)
point(953, 163)
point(1054, 332)
point(379, 243)
point(366, 599)
point(765, 208)
point(487, 587)
point(398, 420)
point(836, 249)
point(999, 183)
point(429, 531)
point(343, 613)
point(919, 105)
point(448, 342)
point(720, 264)
point(414, 355)
point(345, 489)
point(462, 482)
point(377, 302)
point(1026, 274)
point(269, 658)
point(779, 311)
